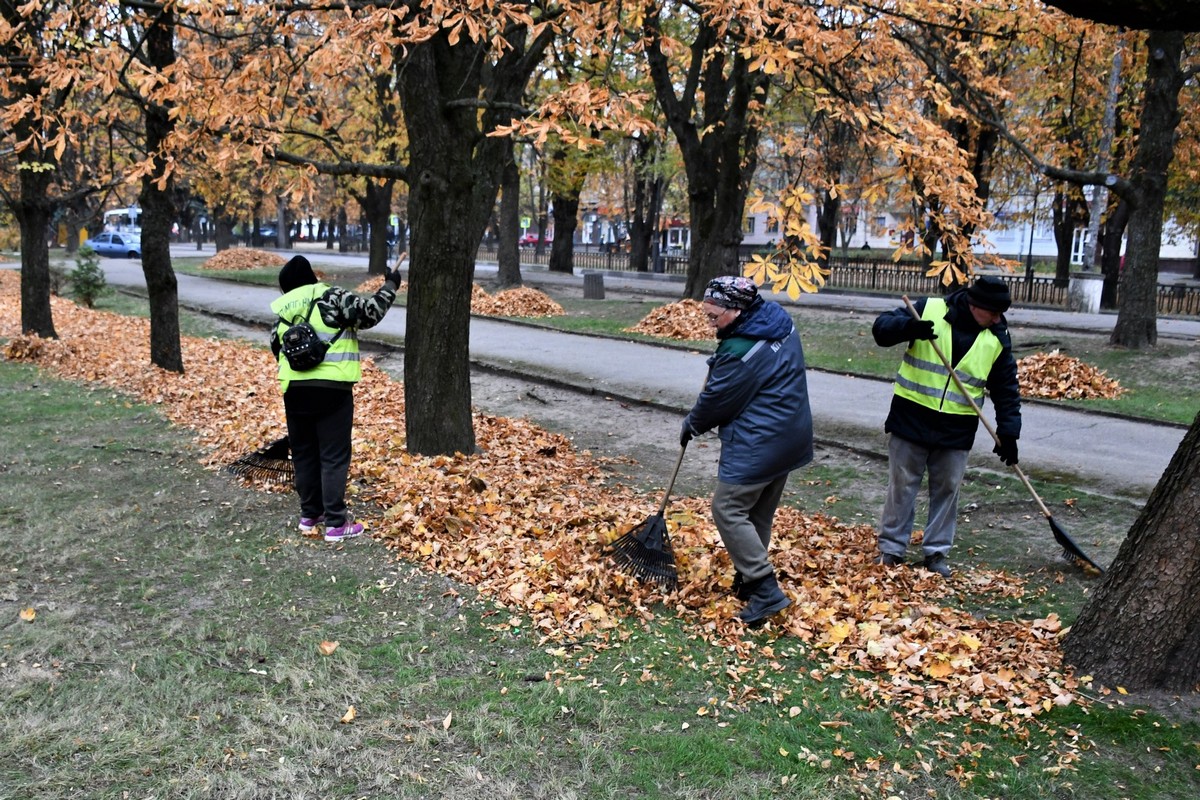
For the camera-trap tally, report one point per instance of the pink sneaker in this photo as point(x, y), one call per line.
point(347, 531)
point(310, 524)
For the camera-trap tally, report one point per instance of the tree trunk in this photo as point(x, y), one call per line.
point(33, 218)
point(647, 202)
point(283, 231)
point(1141, 628)
point(455, 178)
point(827, 225)
point(716, 241)
point(1069, 210)
point(158, 208)
point(376, 204)
point(508, 250)
point(1113, 232)
point(222, 223)
point(648, 194)
point(567, 173)
point(33, 208)
point(343, 230)
point(566, 218)
point(1137, 314)
point(718, 143)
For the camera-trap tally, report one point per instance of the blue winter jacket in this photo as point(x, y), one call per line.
point(757, 394)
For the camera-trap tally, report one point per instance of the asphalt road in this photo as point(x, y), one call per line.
point(1103, 453)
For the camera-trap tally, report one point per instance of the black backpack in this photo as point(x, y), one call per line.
point(301, 343)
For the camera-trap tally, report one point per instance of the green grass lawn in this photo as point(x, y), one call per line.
point(173, 647)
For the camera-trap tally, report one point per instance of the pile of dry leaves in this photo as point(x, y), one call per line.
point(522, 302)
point(239, 258)
point(1061, 377)
point(525, 522)
point(682, 320)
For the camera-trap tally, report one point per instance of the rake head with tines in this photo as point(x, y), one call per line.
point(645, 549)
point(1072, 553)
point(272, 464)
point(645, 552)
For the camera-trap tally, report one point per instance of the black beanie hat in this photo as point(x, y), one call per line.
point(989, 293)
point(296, 273)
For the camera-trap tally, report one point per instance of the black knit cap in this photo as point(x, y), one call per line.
point(989, 293)
point(296, 273)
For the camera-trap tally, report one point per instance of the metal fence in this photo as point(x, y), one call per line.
point(877, 275)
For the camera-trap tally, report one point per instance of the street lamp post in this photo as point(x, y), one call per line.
point(1029, 254)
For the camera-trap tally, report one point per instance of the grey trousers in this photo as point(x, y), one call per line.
point(907, 464)
point(743, 514)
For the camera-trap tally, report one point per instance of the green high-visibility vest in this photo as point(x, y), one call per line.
point(341, 362)
point(924, 379)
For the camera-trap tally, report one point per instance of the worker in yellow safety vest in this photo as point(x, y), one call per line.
point(931, 426)
point(319, 401)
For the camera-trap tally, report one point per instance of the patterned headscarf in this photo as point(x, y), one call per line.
point(731, 291)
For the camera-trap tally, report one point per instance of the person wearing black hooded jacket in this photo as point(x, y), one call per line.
point(931, 426)
point(756, 393)
point(319, 403)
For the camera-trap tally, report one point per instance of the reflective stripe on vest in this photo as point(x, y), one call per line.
point(341, 363)
point(924, 379)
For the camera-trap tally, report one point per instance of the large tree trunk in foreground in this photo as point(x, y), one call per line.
point(1141, 629)
point(453, 187)
point(1137, 314)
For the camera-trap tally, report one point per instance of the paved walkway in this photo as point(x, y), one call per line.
point(1104, 453)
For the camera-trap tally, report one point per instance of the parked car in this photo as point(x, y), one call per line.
point(530, 239)
point(265, 236)
point(116, 245)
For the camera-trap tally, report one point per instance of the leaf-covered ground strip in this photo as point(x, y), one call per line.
point(526, 520)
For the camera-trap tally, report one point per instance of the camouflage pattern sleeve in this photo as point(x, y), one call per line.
point(343, 309)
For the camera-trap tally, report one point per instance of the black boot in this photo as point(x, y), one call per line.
point(766, 598)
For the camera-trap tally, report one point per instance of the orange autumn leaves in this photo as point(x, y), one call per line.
point(1057, 376)
point(240, 258)
point(524, 522)
point(682, 320)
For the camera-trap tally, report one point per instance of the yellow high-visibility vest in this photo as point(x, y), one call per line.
point(341, 362)
point(924, 379)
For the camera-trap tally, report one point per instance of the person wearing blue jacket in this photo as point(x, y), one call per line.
point(756, 394)
point(931, 425)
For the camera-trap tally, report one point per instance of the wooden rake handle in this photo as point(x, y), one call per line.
point(978, 412)
point(671, 484)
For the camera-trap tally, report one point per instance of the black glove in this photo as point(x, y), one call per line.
point(685, 434)
point(393, 275)
point(919, 329)
point(1007, 450)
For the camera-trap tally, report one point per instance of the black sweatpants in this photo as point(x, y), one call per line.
point(319, 423)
